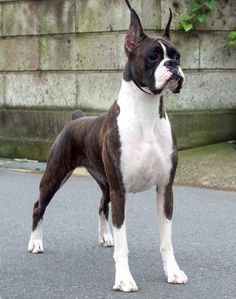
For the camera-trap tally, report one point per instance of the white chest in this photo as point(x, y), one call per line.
point(146, 143)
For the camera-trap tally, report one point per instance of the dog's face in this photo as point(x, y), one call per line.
point(153, 62)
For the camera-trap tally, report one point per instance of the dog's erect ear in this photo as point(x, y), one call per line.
point(135, 33)
point(167, 30)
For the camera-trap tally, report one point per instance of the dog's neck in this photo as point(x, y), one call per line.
point(136, 102)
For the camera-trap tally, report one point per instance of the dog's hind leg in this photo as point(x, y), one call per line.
point(50, 183)
point(58, 170)
point(105, 236)
point(104, 233)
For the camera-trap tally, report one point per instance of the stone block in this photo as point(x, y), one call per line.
point(85, 52)
point(57, 54)
point(213, 54)
point(188, 45)
point(40, 90)
point(93, 15)
point(2, 100)
point(222, 18)
point(21, 18)
point(150, 14)
point(33, 149)
point(196, 128)
point(33, 123)
point(97, 91)
point(96, 51)
point(205, 90)
point(39, 17)
point(57, 16)
point(19, 54)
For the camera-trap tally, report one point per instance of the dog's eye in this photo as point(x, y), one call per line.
point(177, 57)
point(153, 57)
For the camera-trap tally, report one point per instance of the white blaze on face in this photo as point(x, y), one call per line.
point(162, 73)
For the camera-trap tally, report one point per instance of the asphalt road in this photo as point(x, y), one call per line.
point(75, 266)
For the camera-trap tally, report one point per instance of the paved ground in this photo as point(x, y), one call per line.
point(75, 266)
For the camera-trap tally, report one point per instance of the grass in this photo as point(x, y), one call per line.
point(212, 166)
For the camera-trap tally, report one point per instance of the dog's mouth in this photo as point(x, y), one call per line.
point(175, 83)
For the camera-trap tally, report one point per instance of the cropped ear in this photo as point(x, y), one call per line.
point(167, 30)
point(134, 34)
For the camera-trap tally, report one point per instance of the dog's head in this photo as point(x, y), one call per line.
point(152, 62)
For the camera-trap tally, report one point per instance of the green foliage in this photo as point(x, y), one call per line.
point(232, 39)
point(199, 13)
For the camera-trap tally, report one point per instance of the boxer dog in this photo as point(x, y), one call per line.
point(129, 149)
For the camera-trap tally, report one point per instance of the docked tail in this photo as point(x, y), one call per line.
point(77, 114)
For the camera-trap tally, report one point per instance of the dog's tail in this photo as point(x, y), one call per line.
point(77, 114)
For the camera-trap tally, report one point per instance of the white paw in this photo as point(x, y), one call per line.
point(35, 246)
point(104, 232)
point(126, 284)
point(106, 239)
point(177, 276)
point(36, 239)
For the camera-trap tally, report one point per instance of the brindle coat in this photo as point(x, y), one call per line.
point(93, 142)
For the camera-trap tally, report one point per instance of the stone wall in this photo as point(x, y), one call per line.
point(58, 55)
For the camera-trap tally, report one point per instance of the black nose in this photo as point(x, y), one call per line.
point(171, 64)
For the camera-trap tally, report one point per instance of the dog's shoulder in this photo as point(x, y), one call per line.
point(111, 144)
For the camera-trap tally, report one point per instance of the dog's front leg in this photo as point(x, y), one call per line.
point(165, 210)
point(124, 280)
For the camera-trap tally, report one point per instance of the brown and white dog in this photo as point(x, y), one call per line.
point(129, 149)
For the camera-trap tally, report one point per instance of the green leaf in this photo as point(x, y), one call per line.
point(187, 18)
point(196, 6)
point(211, 4)
point(187, 26)
point(231, 43)
point(232, 35)
point(202, 18)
